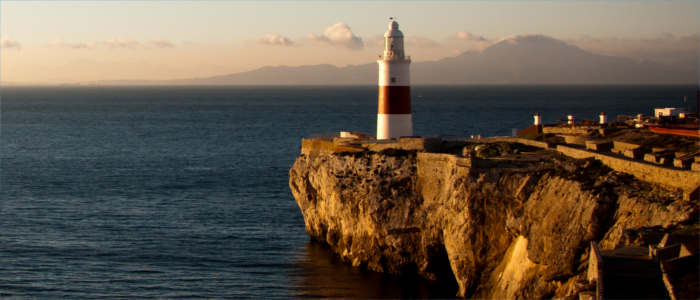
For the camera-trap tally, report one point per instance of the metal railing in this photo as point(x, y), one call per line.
point(391, 57)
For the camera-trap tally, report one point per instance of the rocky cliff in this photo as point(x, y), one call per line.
point(506, 221)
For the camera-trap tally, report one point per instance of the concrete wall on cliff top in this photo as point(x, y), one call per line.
point(685, 180)
point(499, 230)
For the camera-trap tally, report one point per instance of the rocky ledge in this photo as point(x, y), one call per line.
point(501, 220)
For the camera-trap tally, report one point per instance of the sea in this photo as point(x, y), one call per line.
point(182, 192)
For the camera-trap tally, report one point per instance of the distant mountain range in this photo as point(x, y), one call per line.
point(523, 59)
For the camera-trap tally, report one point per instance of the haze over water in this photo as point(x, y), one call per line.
point(181, 192)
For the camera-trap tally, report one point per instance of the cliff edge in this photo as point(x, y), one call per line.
point(501, 220)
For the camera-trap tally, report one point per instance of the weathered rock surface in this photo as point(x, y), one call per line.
point(499, 227)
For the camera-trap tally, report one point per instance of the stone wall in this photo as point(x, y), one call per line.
point(688, 181)
point(439, 160)
point(341, 145)
point(322, 146)
point(595, 269)
point(533, 143)
point(405, 143)
point(568, 129)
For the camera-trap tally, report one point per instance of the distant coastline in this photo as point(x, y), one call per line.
point(521, 60)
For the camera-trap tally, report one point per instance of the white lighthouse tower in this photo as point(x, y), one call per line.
point(394, 109)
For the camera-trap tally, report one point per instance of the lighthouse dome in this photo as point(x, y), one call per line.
point(393, 24)
point(393, 30)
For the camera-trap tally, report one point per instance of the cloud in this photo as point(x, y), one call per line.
point(275, 40)
point(10, 44)
point(119, 43)
point(468, 36)
point(113, 44)
point(339, 34)
point(528, 39)
point(477, 42)
point(63, 44)
point(161, 44)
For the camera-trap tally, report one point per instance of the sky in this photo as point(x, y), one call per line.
point(55, 42)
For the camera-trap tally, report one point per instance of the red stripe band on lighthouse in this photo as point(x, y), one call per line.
point(394, 106)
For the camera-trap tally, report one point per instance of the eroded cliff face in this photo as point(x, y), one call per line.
point(500, 228)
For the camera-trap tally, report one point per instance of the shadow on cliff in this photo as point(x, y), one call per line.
point(321, 274)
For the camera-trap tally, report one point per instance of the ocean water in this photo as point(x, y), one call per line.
point(182, 192)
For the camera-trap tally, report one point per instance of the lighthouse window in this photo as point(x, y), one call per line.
point(393, 79)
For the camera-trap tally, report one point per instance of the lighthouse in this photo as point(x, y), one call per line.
point(394, 105)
